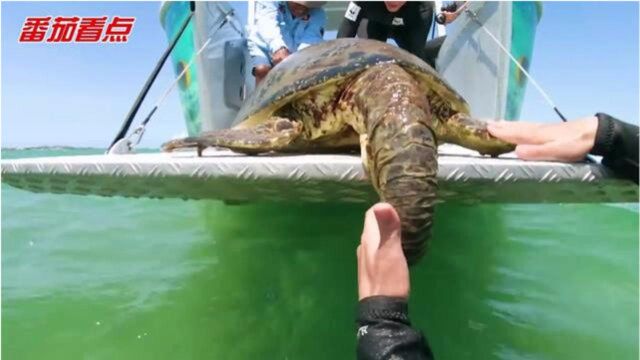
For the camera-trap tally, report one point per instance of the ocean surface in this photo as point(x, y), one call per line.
point(87, 277)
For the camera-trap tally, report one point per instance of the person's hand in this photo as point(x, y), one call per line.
point(382, 267)
point(568, 141)
point(279, 55)
point(449, 17)
point(451, 12)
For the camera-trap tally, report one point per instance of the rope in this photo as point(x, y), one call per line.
point(588, 158)
point(524, 71)
point(140, 129)
point(184, 71)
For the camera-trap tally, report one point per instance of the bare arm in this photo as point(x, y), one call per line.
point(603, 135)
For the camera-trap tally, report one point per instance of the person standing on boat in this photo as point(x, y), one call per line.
point(282, 28)
point(406, 22)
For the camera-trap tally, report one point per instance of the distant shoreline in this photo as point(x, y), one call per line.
point(53, 147)
point(65, 147)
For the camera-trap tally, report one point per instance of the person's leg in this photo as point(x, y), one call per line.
point(431, 50)
point(261, 62)
point(260, 72)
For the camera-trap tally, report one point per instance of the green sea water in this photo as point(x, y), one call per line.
point(87, 277)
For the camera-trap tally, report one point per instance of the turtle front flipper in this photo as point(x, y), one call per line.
point(275, 134)
point(461, 129)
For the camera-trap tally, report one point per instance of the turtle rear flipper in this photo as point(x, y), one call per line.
point(272, 135)
point(463, 130)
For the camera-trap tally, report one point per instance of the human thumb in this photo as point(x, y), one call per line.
point(388, 224)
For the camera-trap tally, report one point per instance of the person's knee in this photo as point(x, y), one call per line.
point(261, 71)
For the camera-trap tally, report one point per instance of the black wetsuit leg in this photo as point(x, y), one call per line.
point(432, 49)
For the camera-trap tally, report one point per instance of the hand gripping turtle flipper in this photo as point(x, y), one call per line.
point(272, 135)
point(401, 153)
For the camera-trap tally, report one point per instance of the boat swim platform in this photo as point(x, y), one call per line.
point(464, 176)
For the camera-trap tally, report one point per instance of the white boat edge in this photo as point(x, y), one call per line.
point(463, 175)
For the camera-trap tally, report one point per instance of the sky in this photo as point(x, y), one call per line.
point(585, 57)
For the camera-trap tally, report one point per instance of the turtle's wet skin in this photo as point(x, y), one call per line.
point(350, 94)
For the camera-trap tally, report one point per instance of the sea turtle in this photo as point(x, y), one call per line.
point(346, 94)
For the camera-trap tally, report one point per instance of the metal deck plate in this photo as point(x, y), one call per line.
point(223, 175)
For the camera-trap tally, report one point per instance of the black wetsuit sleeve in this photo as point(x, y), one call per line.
point(617, 143)
point(348, 27)
point(385, 330)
